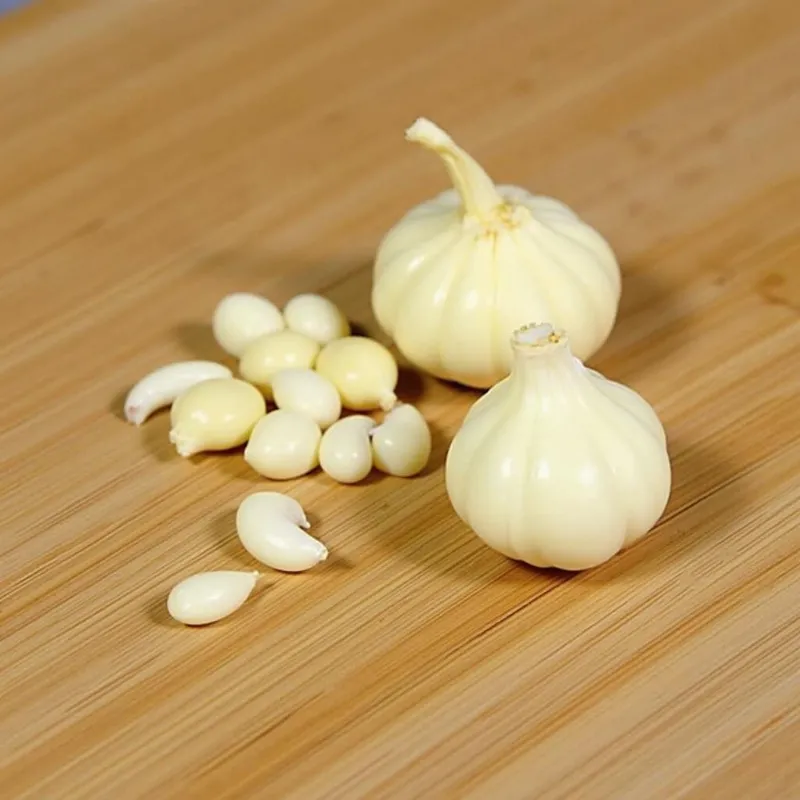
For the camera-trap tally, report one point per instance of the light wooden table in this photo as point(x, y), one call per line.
point(157, 155)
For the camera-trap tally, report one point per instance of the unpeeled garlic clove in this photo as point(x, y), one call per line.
point(216, 414)
point(316, 317)
point(210, 596)
point(269, 528)
point(162, 386)
point(363, 370)
point(241, 318)
point(345, 452)
point(269, 354)
point(284, 444)
point(308, 392)
point(401, 444)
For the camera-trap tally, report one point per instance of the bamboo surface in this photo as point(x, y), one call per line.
point(155, 156)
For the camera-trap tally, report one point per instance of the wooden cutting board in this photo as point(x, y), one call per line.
point(156, 156)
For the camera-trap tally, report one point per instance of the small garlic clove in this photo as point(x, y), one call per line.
point(283, 445)
point(241, 318)
point(401, 444)
point(216, 414)
point(363, 370)
point(210, 596)
point(162, 386)
point(345, 452)
point(308, 392)
point(268, 530)
point(269, 354)
point(316, 317)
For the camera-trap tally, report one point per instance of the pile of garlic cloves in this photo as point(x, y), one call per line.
point(488, 286)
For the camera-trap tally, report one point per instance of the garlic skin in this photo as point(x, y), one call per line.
point(217, 414)
point(270, 527)
point(309, 392)
point(363, 371)
point(164, 385)
point(556, 465)
point(345, 452)
point(401, 444)
point(316, 317)
point(269, 354)
point(459, 273)
point(240, 318)
point(284, 444)
point(207, 597)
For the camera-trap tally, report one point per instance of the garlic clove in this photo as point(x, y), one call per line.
point(210, 596)
point(273, 503)
point(345, 453)
point(401, 444)
point(241, 318)
point(316, 317)
point(274, 537)
point(269, 354)
point(284, 444)
point(161, 387)
point(555, 465)
point(363, 371)
point(217, 414)
point(308, 392)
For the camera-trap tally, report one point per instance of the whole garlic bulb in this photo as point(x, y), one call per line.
point(459, 273)
point(556, 465)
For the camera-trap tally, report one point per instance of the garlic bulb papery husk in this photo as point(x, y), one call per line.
point(459, 273)
point(556, 465)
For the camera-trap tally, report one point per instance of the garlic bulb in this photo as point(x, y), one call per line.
point(555, 465)
point(459, 273)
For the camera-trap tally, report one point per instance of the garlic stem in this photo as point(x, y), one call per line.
point(543, 362)
point(476, 189)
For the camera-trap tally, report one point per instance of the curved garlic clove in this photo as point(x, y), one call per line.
point(308, 392)
point(216, 414)
point(268, 529)
point(284, 444)
point(162, 386)
point(316, 317)
point(345, 452)
point(241, 318)
point(401, 444)
point(210, 596)
point(363, 370)
point(269, 354)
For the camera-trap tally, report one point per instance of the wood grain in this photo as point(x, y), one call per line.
point(155, 156)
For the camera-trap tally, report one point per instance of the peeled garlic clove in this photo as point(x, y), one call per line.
point(216, 414)
point(241, 318)
point(345, 452)
point(309, 392)
point(210, 596)
point(316, 317)
point(162, 386)
point(555, 465)
point(276, 351)
point(363, 370)
point(283, 445)
point(269, 529)
point(460, 272)
point(401, 444)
